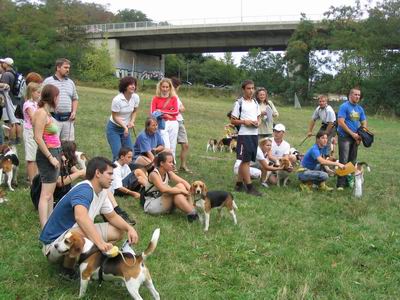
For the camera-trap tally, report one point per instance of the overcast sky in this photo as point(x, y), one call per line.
point(159, 10)
point(174, 10)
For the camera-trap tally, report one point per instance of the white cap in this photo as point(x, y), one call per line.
point(8, 60)
point(279, 127)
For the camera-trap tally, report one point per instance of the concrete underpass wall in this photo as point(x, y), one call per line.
point(125, 61)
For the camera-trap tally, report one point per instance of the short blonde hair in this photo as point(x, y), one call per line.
point(263, 141)
point(172, 92)
point(32, 87)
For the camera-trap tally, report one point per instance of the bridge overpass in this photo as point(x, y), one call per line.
point(141, 46)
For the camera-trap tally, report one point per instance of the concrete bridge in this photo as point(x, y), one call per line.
point(140, 46)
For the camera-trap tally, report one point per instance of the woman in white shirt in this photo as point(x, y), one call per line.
point(123, 114)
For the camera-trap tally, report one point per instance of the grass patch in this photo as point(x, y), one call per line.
point(287, 245)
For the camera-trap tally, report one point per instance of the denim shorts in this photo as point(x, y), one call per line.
point(48, 173)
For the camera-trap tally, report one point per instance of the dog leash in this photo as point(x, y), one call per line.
point(302, 142)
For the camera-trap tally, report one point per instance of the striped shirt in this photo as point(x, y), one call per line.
point(67, 92)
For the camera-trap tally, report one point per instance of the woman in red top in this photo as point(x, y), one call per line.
point(166, 102)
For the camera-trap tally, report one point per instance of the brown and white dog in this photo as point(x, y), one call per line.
point(82, 159)
point(212, 145)
point(126, 266)
point(205, 200)
point(227, 144)
point(9, 163)
point(2, 196)
point(283, 174)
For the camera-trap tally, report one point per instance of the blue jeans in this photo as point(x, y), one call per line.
point(116, 139)
point(347, 153)
point(315, 176)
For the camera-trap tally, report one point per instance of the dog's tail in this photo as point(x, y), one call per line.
point(233, 202)
point(152, 245)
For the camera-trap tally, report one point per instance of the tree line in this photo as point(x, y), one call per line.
point(353, 46)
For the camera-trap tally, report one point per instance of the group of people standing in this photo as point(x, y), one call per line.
point(255, 149)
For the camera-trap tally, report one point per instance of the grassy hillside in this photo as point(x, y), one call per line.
point(287, 245)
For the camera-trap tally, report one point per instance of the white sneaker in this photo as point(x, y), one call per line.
point(264, 184)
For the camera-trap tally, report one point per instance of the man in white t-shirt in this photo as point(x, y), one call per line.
point(326, 114)
point(246, 114)
point(280, 148)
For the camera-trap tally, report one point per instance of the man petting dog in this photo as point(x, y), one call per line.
point(246, 114)
point(310, 172)
point(77, 210)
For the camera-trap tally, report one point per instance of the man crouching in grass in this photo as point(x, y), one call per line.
point(77, 210)
point(310, 172)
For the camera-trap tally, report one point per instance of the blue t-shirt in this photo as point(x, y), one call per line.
point(62, 218)
point(146, 142)
point(310, 158)
point(353, 114)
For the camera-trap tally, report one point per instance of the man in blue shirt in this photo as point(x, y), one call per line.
point(149, 142)
point(350, 117)
point(311, 172)
point(78, 208)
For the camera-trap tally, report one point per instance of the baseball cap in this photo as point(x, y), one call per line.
point(279, 127)
point(8, 60)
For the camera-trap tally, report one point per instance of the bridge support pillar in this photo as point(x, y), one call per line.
point(127, 62)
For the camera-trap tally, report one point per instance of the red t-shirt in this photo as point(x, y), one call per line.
point(170, 111)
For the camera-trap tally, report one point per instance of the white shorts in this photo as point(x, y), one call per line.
point(254, 172)
point(30, 145)
point(54, 256)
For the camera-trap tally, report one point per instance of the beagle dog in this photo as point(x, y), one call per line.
point(212, 145)
point(205, 200)
point(125, 266)
point(359, 178)
point(2, 196)
point(9, 163)
point(82, 159)
point(227, 144)
point(283, 174)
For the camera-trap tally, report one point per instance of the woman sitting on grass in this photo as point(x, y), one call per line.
point(160, 198)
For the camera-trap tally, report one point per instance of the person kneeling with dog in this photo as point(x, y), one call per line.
point(76, 212)
point(310, 172)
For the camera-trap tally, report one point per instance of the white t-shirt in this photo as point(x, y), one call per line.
point(123, 107)
point(280, 150)
point(250, 111)
point(120, 172)
point(326, 114)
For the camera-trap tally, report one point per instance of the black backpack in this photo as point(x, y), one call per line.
point(19, 84)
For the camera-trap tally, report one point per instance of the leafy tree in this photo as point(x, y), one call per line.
point(131, 15)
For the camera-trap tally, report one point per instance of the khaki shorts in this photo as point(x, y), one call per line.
point(182, 134)
point(67, 130)
point(54, 256)
point(30, 145)
point(155, 206)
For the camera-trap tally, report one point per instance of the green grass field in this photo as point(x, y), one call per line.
point(287, 245)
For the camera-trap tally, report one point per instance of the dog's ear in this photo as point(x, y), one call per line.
point(205, 190)
point(77, 242)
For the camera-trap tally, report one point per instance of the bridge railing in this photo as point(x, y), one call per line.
point(97, 28)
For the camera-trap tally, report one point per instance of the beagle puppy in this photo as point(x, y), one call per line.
point(9, 163)
point(82, 159)
point(125, 266)
point(283, 174)
point(227, 144)
point(205, 200)
point(359, 178)
point(212, 145)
